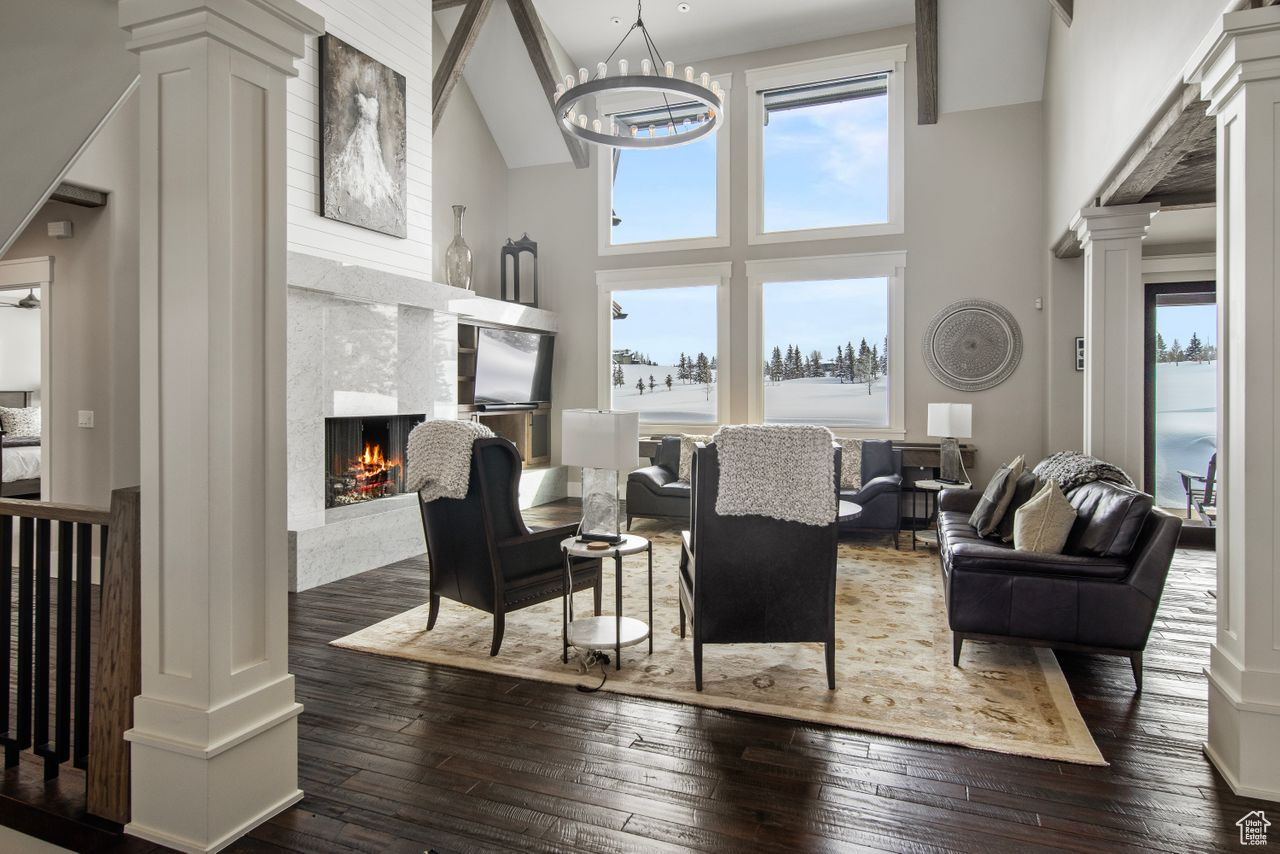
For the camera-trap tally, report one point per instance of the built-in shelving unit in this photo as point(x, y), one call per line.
point(529, 430)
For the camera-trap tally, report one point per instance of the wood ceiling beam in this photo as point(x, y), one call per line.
point(1180, 130)
point(927, 61)
point(544, 64)
point(1172, 164)
point(74, 194)
point(449, 71)
point(1064, 8)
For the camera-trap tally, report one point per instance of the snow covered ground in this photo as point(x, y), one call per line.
point(827, 401)
point(805, 401)
point(1186, 425)
point(685, 403)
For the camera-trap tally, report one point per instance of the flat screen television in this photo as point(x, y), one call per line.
point(513, 366)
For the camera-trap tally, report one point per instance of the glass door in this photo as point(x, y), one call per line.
point(1181, 396)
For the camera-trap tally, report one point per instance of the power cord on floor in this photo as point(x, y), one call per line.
point(587, 661)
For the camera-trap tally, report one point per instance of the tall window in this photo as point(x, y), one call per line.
point(826, 154)
point(663, 198)
point(663, 194)
point(826, 148)
point(664, 357)
point(1182, 377)
point(826, 353)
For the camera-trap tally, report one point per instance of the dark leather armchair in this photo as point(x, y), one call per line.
point(751, 579)
point(881, 494)
point(655, 491)
point(1100, 595)
point(483, 555)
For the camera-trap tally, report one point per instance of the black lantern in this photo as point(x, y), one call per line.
point(512, 252)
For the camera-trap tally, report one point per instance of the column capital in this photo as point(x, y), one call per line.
point(1113, 222)
point(1241, 47)
point(271, 31)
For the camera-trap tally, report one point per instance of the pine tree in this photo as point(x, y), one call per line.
point(1195, 350)
point(775, 365)
point(850, 363)
point(668, 383)
point(839, 371)
point(1162, 352)
point(875, 361)
point(884, 357)
point(652, 383)
point(682, 368)
point(815, 364)
point(640, 386)
point(714, 365)
point(1175, 353)
point(618, 379)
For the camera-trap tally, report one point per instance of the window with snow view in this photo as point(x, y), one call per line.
point(826, 353)
point(663, 362)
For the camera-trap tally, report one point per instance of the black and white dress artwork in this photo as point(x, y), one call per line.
point(362, 139)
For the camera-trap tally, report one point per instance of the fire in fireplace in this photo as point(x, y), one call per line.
point(365, 457)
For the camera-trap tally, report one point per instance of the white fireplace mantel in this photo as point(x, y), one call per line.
point(365, 284)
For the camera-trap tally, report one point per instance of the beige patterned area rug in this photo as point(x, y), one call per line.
point(893, 661)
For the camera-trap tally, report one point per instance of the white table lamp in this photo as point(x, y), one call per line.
point(951, 422)
point(602, 442)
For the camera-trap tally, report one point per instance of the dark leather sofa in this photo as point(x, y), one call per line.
point(655, 491)
point(483, 555)
point(881, 494)
point(752, 579)
point(1099, 595)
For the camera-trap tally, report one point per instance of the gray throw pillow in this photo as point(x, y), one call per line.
point(1028, 485)
point(996, 498)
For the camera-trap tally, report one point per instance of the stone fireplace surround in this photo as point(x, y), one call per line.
point(365, 342)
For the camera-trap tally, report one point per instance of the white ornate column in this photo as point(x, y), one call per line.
point(1113, 332)
point(1238, 69)
point(214, 743)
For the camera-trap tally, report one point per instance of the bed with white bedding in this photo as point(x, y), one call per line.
point(20, 463)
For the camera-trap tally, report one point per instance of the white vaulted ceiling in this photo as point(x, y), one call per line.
point(991, 52)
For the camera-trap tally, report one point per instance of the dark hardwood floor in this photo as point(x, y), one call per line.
point(398, 756)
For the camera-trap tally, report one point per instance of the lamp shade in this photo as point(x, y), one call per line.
point(951, 420)
point(600, 439)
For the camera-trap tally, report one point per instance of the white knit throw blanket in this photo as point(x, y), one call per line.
point(439, 458)
point(783, 472)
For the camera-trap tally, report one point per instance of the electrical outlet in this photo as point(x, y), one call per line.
point(86, 417)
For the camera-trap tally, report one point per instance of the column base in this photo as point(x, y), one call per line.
point(201, 799)
point(1244, 742)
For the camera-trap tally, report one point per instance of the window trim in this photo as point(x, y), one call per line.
point(888, 265)
point(891, 59)
point(609, 282)
point(604, 183)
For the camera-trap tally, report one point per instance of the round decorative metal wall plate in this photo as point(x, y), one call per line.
point(972, 345)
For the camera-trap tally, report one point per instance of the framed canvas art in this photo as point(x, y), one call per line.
point(362, 140)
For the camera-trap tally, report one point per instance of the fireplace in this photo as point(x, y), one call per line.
point(365, 457)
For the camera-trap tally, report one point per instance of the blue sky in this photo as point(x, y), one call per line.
point(821, 315)
point(824, 166)
point(666, 322)
point(1179, 321)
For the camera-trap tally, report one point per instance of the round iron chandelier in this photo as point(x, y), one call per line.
point(657, 76)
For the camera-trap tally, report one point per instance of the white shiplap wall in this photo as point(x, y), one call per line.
point(398, 34)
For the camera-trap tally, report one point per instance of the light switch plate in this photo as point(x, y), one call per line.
point(86, 417)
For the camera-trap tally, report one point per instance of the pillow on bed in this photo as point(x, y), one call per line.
point(20, 422)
